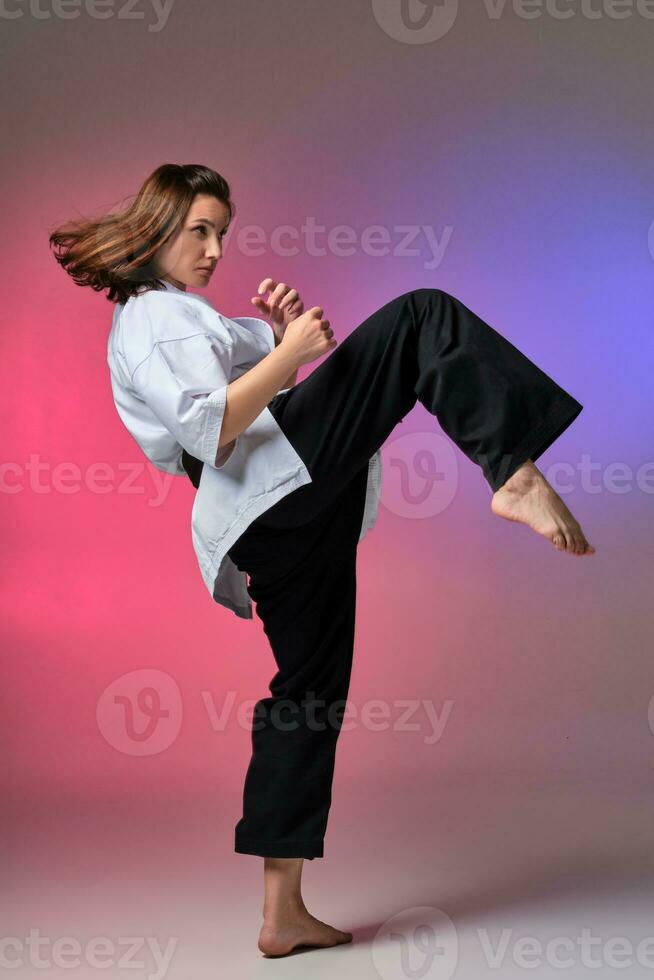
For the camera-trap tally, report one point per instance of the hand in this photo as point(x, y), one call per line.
point(283, 305)
point(308, 337)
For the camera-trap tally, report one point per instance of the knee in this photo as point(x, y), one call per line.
point(424, 299)
point(421, 296)
point(427, 294)
point(417, 303)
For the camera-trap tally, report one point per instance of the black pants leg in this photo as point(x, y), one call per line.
point(496, 405)
point(303, 581)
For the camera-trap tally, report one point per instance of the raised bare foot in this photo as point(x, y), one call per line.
point(282, 933)
point(528, 497)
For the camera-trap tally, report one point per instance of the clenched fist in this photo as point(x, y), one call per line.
point(308, 337)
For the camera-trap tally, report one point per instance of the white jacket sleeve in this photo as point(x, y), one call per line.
point(184, 382)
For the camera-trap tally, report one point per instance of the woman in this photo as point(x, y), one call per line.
point(288, 475)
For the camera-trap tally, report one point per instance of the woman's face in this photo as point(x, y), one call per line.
point(196, 245)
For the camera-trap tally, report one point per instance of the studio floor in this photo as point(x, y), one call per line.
point(476, 876)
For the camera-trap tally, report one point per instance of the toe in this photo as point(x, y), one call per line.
point(569, 542)
point(581, 543)
point(576, 535)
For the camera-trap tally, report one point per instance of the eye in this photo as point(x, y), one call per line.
point(200, 228)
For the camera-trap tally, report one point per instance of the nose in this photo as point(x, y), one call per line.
point(213, 251)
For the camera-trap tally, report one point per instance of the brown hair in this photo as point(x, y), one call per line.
point(116, 251)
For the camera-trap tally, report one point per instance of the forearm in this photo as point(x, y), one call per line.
point(248, 395)
point(292, 379)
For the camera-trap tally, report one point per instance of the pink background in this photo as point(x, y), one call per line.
point(532, 140)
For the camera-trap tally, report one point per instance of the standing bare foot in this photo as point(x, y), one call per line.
point(286, 922)
point(528, 497)
point(293, 927)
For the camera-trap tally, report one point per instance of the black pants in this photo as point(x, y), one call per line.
point(495, 404)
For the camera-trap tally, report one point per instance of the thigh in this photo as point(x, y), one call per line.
point(340, 415)
point(308, 616)
point(303, 583)
point(276, 549)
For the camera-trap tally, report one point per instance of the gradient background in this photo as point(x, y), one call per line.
point(531, 141)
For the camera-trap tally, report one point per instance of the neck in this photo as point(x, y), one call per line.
point(174, 282)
